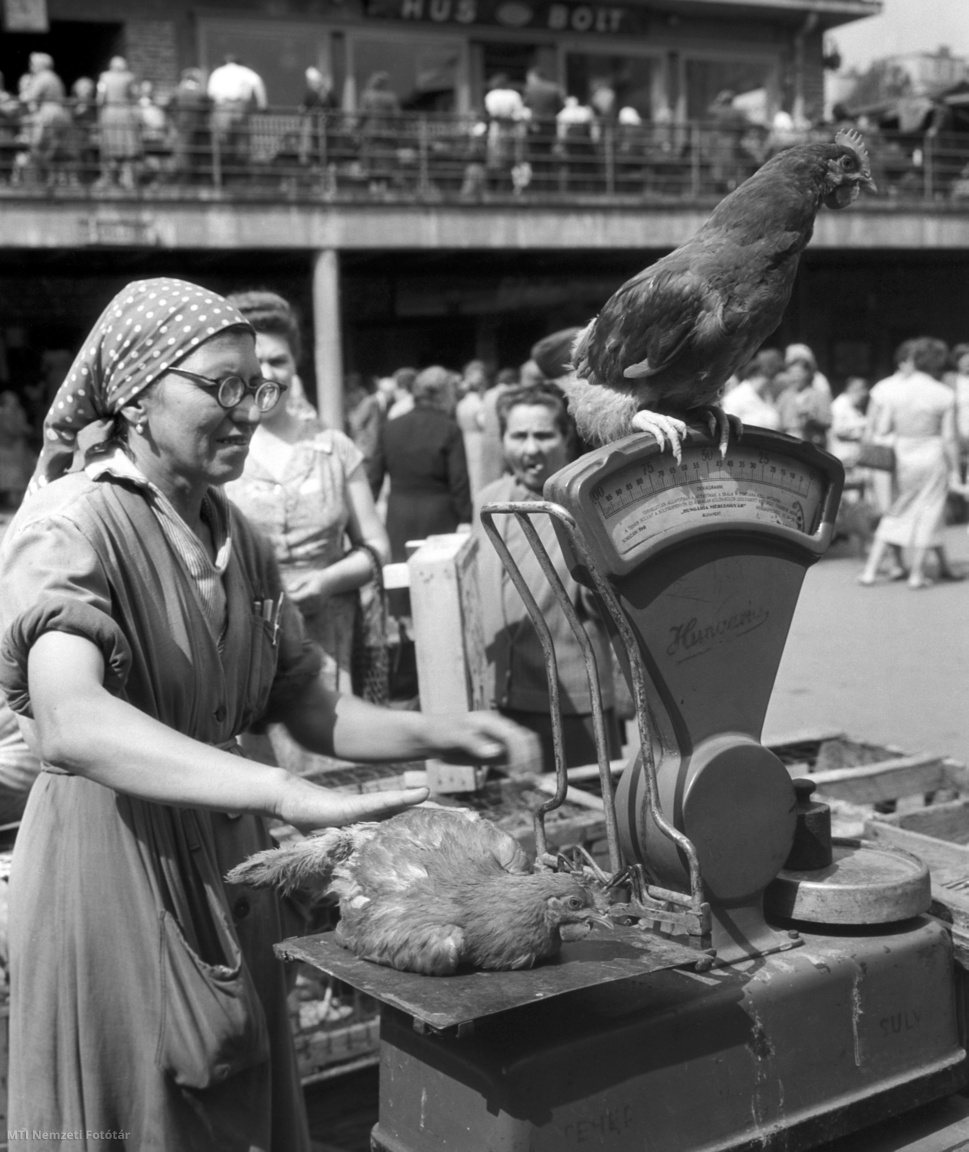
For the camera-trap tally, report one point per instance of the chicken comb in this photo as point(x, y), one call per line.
point(853, 139)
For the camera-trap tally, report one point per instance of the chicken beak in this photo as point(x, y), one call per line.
point(869, 184)
point(600, 918)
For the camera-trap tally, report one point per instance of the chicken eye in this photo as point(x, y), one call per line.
point(575, 903)
point(848, 163)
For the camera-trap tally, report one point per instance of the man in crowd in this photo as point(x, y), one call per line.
point(234, 91)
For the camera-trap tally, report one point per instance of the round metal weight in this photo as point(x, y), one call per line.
point(864, 884)
point(812, 834)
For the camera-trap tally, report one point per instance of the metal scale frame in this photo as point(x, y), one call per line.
point(765, 987)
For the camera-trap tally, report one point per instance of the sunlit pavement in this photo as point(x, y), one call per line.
point(883, 664)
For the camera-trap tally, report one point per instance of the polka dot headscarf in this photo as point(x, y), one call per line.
point(147, 327)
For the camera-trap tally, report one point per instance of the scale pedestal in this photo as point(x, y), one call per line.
point(776, 1029)
point(778, 1054)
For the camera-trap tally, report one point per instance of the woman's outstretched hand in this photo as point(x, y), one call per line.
point(307, 806)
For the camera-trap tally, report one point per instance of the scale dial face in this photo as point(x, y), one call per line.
point(655, 497)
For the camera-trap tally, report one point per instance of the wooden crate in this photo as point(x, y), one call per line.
point(336, 1029)
point(916, 802)
point(939, 835)
point(862, 781)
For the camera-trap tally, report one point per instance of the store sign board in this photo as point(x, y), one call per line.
point(540, 15)
point(25, 16)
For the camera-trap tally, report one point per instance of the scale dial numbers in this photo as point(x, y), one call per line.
point(655, 496)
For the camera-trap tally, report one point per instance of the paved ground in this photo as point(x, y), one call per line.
point(883, 664)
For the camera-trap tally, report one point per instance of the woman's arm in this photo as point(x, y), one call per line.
point(950, 445)
point(364, 525)
point(352, 729)
point(84, 730)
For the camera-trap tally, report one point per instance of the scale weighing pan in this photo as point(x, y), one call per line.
point(445, 1002)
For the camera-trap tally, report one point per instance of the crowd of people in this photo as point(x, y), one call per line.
point(899, 499)
point(115, 130)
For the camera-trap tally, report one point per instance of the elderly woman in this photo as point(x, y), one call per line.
point(119, 124)
point(144, 625)
point(423, 454)
point(917, 413)
point(538, 440)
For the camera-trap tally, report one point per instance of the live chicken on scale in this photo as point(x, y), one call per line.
point(664, 345)
point(432, 890)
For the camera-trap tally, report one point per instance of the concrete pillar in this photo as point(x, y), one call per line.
point(328, 348)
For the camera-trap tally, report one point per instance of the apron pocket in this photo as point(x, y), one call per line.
point(262, 667)
point(212, 1022)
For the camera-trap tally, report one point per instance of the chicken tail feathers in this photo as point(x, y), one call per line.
point(308, 862)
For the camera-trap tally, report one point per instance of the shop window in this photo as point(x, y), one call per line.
point(506, 58)
point(616, 81)
point(749, 83)
point(424, 73)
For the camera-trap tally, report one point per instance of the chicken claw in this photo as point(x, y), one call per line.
point(664, 429)
point(722, 423)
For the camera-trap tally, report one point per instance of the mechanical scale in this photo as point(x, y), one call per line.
point(766, 987)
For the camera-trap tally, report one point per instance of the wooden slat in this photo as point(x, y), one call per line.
point(803, 736)
point(591, 771)
point(948, 821)
point(952, 859)
point(573, 795)
point(956, 774)
point(886, 780)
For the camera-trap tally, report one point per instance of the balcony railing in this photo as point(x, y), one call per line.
point(285, 154)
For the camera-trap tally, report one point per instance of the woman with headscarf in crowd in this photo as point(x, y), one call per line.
point(306, 489)
point(119, 125)
point(48, 120)
point(538, 439)
point(916, 412)
point(423, 454)
point(801, 353)
point(803, 408)
point(144, 626)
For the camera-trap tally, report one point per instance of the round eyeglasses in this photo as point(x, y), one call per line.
point(230, 390)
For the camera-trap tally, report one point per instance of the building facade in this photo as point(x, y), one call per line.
point(393, 280)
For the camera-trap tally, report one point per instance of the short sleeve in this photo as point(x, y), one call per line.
point(345, 450)
point(52, 580)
